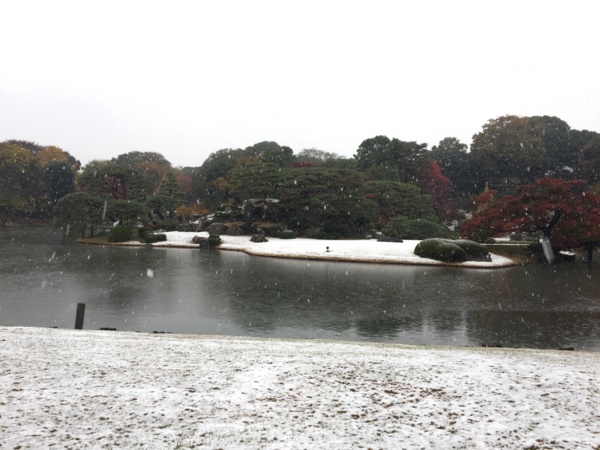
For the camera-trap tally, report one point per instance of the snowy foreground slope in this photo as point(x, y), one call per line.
point(99, 389)
point(361, 250)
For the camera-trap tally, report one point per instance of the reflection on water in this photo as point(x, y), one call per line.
point(193, 291)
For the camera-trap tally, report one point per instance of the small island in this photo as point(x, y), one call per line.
point(355, 250)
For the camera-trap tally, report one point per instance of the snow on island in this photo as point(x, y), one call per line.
point(360, 250)
point(98, 389)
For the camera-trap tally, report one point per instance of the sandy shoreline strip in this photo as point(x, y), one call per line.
point(101, 389)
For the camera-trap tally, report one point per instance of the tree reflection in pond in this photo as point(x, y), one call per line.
point(218, 292)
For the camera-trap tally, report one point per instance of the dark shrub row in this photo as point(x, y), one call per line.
point(287, 234)
point(120, 234)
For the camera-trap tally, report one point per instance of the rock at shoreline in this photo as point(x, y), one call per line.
point(207, 242)
point(217, 228)
point(233, 230)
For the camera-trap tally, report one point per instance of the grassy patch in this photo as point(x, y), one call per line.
point(94, 240)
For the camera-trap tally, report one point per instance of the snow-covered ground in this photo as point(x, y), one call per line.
point(338, 250)
point(101, 389)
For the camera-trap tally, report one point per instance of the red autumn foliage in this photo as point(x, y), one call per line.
point(560, 209)
point(184, 180)
point(435, 184)
point(484, 199)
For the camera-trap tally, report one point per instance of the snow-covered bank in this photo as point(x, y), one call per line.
point(95, 389)
point(370, 251)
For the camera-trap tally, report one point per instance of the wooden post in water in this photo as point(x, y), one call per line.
point(79, 316)
point(590, 254)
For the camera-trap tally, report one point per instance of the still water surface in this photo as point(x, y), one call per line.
point(228, 293)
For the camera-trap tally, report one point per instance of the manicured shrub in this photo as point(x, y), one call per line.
point(473, 249)
point(152, 238)
point(440, 250)
point(214, 240)
point(146, 236)
point(427, 247)
point(450, 252)
point(287, 234)
point(120, 234)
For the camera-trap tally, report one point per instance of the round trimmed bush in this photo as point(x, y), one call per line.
point(440, 250)
point(450, 252)
point(151, 238)
point(427, 246)
point(214, 240)
point(473, 249)
point(156, 238)
point(287, 234)
point(147, 236)
point(120, 234)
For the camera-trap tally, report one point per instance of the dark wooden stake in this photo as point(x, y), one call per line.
point(80, 315)
point(588, 254)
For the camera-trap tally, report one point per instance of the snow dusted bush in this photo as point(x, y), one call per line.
point(440, 250)
point(449, 250)
point(152, 238)
point(473, 249)
point(214, 240)
point(147, 236)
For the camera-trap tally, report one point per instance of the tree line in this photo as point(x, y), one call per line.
point(395, 186)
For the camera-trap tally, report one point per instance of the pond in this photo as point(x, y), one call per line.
point(231, 293)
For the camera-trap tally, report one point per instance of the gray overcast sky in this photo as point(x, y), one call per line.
point(186, 78)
